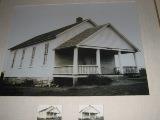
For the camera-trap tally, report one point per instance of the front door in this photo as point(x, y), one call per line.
point(107, 63)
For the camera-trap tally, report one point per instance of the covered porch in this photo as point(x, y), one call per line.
point(84, 61)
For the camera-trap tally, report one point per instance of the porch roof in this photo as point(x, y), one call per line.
point(79, 38)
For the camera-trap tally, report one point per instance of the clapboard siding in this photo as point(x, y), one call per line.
point(107, 38)
point(38, 69)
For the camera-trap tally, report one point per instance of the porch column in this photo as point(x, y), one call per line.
point(75, 66)
point(75, 61)
point(82, 115)
point(120, 62)
point(75, 79)
point(54, 64)
point(98, 61)
point(135, 60)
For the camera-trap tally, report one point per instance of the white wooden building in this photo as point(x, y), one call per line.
point(73, 51)
point(89, 112)
point(49, 113)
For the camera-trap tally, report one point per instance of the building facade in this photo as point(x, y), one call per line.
point(73, 51)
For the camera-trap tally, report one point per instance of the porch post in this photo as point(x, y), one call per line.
point(75, 65)
point(98, 61)
point(120, 62)
point(54, 55)
point(135, 60)
point(75, 79)
point(75, 61)
point(82, 115)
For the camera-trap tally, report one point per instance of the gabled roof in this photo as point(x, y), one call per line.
point(73, 41)
point(78, 38)
point(89, 109)
point(48, 36)
point(51, 109)
point(123, 37)
point(88, 32)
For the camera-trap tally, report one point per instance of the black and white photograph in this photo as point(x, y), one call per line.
point(49, 112)
point(91, 112)
point(74, 50)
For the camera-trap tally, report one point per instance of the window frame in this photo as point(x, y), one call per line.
point(32, 56)
point(22, 58)
point(46, 49)
point(14, 58)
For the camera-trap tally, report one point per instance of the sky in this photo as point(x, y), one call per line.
point(30, 21)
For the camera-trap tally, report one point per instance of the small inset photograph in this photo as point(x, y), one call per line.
point(49, 112)
point(91, 112)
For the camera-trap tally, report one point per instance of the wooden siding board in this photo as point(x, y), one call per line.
point(108, 38)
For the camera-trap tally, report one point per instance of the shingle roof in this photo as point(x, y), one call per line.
point(44, 37)
point(51, 108)
point(78, 38)
point(73, 41)
point(89, 109)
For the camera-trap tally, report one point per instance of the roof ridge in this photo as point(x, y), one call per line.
point(123, 37)
point(80, 37)
point(88, 108)
point(46, 108)
point(48, 35)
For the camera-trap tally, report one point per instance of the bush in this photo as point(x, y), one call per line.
point(28, 83)
point(94, 80)
point(116, 71)
point(105, 81)
point(86, 119)
point(100, 118)
point(4, 82)
point(62, 82)
point(142, 72)
point(2, 79)
point(132, 75)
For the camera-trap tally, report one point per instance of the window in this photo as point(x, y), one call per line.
point(32, 56)
point(45, 53)
point(50, 113)
point(22, 57)
point(14, 57)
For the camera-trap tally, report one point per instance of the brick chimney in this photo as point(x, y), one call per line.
point(79, 19)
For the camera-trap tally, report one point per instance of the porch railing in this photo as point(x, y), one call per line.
point(126, 69)
point(130, 69)
point(82, 69)
point(87, 69)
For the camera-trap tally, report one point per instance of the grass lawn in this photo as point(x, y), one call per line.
point(140, 88)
